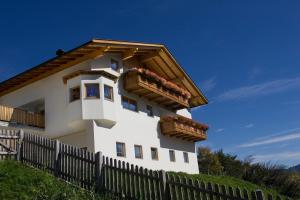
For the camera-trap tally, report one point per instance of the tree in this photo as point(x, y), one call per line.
point(208, 162)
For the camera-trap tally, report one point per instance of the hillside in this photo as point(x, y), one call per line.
point(18, 181)
point(295, 168)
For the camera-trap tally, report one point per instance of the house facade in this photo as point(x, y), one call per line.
point(129, 100)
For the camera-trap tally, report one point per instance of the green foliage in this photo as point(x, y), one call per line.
point(264, 175)
point(18, 181)
point(227, 181)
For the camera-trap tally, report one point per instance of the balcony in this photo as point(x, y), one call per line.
point(182, 127)
point(149, 85)
point(22, 117)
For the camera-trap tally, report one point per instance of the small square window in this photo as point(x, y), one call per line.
point(149, 111)
point(114, 64)
point(172, 155)
point(120, 149)
point(92, 90)
point(154, 153)
point(74, 93)
point(186, 157)
point(108, 92)
point(129, 104)
point(138, 151)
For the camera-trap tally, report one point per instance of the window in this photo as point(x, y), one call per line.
point(149, 111)
point(120, 149)
point(114, 64)
point(108, 92)
point(154, 153)
point(138, 151)
point(172, 155)
point(74, 93)
point(186, 157)
point(92, 90)
point(129, 104)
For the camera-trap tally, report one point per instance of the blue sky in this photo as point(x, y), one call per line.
point(244, 55)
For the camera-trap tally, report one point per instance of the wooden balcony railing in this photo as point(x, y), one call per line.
point(20, 116)
point(182, 127)
point(155, 88)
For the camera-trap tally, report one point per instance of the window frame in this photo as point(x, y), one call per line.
point(156, 150)
point(171, 158)
point(86, 91)
point(111, 89)
point(123, 149)
point(140, 149)
point(128, 101)
point(186, 158)
point(71, 92)
point(112, 60)
point(150, 113)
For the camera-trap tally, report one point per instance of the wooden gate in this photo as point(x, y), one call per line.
point(9, 143)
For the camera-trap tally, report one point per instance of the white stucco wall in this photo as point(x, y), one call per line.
point(98, 123)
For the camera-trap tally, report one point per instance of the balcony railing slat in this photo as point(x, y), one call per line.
point(19, 116)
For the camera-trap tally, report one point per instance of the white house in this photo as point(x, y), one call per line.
point(129, 100)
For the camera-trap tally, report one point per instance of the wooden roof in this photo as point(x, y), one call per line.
point(152, 56)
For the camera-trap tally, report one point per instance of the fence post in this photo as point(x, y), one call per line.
point(57, 158)
point(164, 194)
point(20, 143)
point(98, 170)
point(259, 195)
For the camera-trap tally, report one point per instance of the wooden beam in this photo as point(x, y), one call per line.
point(93, 55)
point(148, 57)
point(129, 53)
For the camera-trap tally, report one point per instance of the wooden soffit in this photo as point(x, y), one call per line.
point(154, 56)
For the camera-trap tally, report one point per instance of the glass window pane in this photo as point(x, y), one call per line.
point(185, 157)
point(108, 92)
point(172, 155)
point(92, 90)
point(114, 64)
point(138, 151)
point(149, 111)
point(154, 153)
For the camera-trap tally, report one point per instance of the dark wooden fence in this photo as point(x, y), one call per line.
point(118, 178)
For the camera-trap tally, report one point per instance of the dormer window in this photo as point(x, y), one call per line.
point(114, 64)
point(92, 90)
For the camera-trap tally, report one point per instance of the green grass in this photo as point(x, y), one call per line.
point(20, 182)
point(228, 181)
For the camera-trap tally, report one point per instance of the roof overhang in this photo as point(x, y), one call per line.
point(153, 56)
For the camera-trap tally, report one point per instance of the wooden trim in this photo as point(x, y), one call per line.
point(85, 72)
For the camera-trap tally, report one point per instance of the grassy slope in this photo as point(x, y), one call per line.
point(18, 181)
point(21, 182)
point(228, 181)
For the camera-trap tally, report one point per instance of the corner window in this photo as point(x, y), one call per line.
point(138, 151)
point(172, 155)
point(186, 157)
point(108, 93)
point(129, 104)
point(154, 153)
point(114, 64)
point(92, 90)
point(120, 149)
point(74, 93)
point(149, 111)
